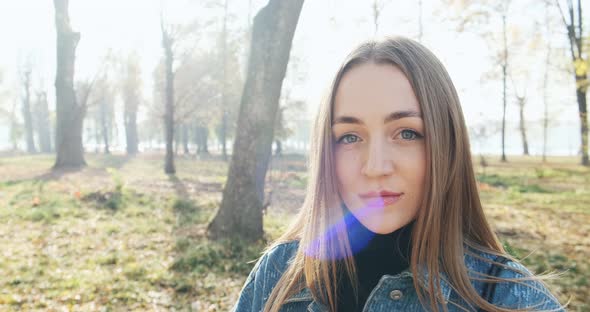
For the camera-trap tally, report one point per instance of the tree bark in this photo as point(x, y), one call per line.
point(43, 124)
point(522, 125)
point(130, 116)
point(224, 84)
point(583, 110)
point(177, 139)
point(70, 113)
point(504, 74)
point(240, 214)
point(279, 148)
point(545, 102)
point(15, 130)
point(169, 167)
point(576, 39)
point(185, 139)
point(27, 116)
point(104, 125)
point(131, 97)
point(96, 135)
point(201, 137)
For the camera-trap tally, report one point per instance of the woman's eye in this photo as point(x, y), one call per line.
point(348, 139)
point(410, 135)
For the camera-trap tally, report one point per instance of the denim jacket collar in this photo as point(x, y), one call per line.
point(314, 306)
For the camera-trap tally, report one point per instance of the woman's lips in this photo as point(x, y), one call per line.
point(381, 198)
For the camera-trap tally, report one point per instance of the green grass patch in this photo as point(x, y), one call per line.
point(110, 200)
point(188, 212)
point(109, 259)
point(298, 181)
point(43, 214)
point(138, 242)
point(497, 180)
point(227, 256)
point(134, 271)
point(275, 224)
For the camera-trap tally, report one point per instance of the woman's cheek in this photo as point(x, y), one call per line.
point(347, 165)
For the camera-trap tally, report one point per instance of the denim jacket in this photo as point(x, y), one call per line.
point(392, 293)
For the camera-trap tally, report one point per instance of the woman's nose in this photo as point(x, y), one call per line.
point(377, 162)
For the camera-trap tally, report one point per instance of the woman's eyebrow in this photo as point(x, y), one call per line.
point(391, 117)
point(402, 114)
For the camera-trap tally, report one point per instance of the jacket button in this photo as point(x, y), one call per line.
point(396, 294)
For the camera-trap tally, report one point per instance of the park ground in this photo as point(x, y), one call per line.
point(121, 235)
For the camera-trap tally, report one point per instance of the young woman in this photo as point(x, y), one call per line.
point(392, 220)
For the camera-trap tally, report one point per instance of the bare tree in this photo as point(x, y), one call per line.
point(200, 135)
point(522, 80)
point(224, 82)
point(197, 88)
point(240, 213)
point(131, 91)
point(16, 131)
point(475, 15)
point(42, 121)
point(70, 113)
point(377, 8)
point(103, 103)
point(546, 82)
point(167, 43)
point(573, 23)
point(504, 11)
point(521, 101)
point(26, 109)
point(289, 107)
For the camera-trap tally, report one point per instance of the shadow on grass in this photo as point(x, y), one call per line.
point(179, 186)
point(57, 173)
point(111, 161)
point(50, 175)
point(203, 268)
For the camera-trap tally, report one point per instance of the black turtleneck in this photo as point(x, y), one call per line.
point(375, 255)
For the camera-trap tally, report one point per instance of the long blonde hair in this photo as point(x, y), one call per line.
point(449, 219)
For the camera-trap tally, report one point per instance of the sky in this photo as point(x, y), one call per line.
point(326, 32)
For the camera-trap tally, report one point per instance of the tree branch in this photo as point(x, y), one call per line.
point(569, 29)
point(581, 34)
point(561, 13)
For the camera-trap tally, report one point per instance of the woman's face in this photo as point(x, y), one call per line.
point(379, 146)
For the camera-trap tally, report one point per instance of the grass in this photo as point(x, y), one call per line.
point(121, 235)
point(542, 214)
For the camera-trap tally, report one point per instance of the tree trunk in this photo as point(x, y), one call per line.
point(522, 125)
point(169, 167)
point(15, 131)
point(27, 116)
point(504, 68)
point(43, 124)
point(279, 148)
point(96, 135)
point(224, 84)
point(583, 109)
point(545, 102)
point(196, 138)
point(201, 137)
point(576, 39)
point(205, 140)
point(70, 114)
point(185, 138)
point(376, 12)
point(240, 214)
point(104, 126)
point(177, 140)
point(130, 116)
